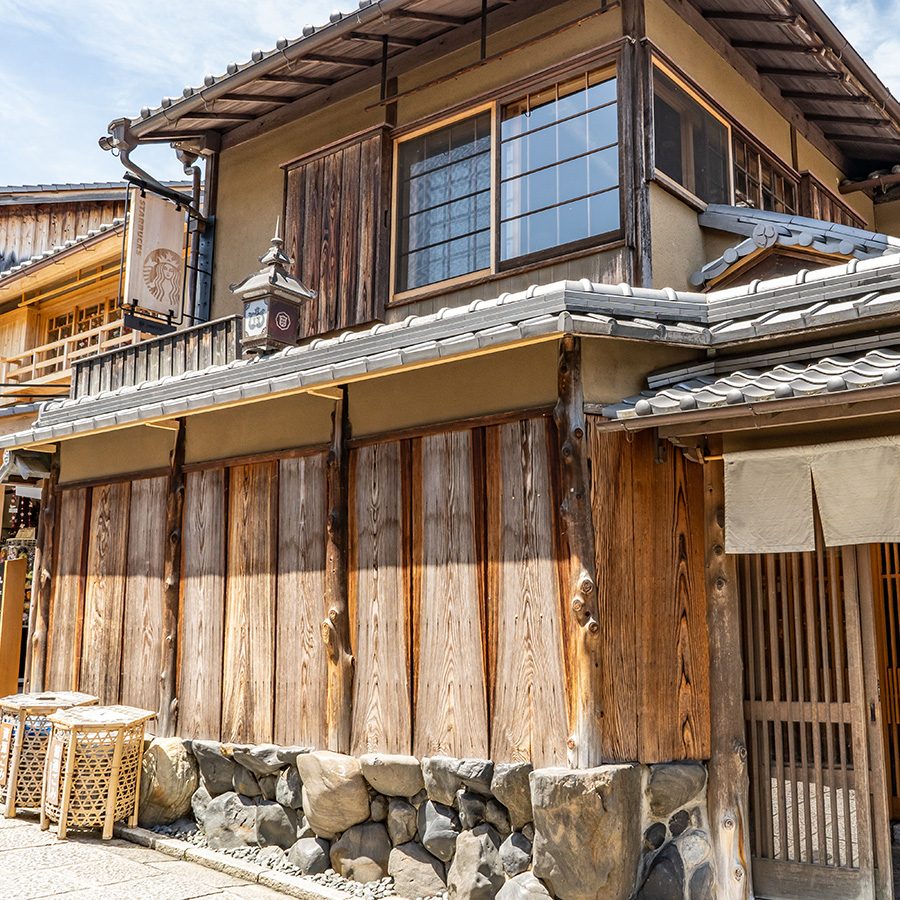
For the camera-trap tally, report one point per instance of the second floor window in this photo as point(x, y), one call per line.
point(759, 183)
point(690, 143)
point(508, 184)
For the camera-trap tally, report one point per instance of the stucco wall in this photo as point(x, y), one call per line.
point(887, 218)
point(113, 453)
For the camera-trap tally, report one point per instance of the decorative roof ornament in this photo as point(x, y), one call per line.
point(273, 300)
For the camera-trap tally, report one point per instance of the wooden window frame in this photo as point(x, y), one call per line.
point(605, 66)
point(666, 181)
point(764, 159)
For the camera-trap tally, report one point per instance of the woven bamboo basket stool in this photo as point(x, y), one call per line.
point(24, 735)
point(92, 771)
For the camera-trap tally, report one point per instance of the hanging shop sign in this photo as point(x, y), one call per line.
point(154, 257)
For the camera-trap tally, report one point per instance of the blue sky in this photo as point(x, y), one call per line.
point(69, 66)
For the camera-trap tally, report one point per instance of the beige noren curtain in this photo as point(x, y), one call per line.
point(769, 495)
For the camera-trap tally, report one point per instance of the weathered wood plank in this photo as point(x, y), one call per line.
point(249, 658)
point(611, 504)
point(529, 691)
point(381, 698)
point(101, 647)
point(67, 584)
point(670, 592)
point(300, 670)
point(142, 628)
point(202, 627)
point(451, 707)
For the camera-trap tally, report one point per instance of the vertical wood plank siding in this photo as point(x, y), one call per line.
point(300, 672)
point(336, 232)
point(249, 678)
point(653, 599)
point(104, 599)
point(379, 601)
point(529, 720)
point(451, 695)
point(201, 633)
point(143, 626)
point(456, 597)
point(67, 586)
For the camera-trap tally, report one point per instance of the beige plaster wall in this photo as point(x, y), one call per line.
point(615, 369)
point(282, 423)
point(251, 180)
point(887, 218)
point(677, 240)
point(518, 378)
point(113, 453)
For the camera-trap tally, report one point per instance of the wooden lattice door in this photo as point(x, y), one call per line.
point(886, 576)
point(819, 824)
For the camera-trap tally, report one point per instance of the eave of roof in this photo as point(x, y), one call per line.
point(840, 85)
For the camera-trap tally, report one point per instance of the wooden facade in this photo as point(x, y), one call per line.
point(459, 627)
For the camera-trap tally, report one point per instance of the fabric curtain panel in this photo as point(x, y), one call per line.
point(769, 496)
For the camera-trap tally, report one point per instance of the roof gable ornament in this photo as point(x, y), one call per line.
point(273, 301)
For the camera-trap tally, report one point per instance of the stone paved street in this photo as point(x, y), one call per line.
point(33, 863)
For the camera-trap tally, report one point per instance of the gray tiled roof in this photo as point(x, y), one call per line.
point(798, 304)
point(51, 253)
point(750, 384)
point(762, 229)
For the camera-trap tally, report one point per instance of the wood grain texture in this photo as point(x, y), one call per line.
point(300, 671)
point(380, 600)
point(451, 707)
point(101, 646)
point(528, 710)
point(67, 583)
point(142, 628)
point(671, 597)
point(42, 583)
point(12, 608)
point(611, 503)
point(249, 658)
point(202, 627)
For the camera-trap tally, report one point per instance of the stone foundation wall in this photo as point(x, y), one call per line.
point(467, 828)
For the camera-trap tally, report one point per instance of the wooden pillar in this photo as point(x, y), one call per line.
point(637, 150)
point(578, 528)
point(336, 626)
point(167, 714)
point(41, 584)
point(728, 790)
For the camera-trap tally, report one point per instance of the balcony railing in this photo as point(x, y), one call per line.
point(53, 362)
point(210, 344)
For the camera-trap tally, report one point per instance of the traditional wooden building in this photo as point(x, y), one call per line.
point(565, 257)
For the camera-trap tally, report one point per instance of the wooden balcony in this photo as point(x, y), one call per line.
point(210, 344)
point(52, 363)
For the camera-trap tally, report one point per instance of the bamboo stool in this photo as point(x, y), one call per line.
point(24, 735)
point(92, 772)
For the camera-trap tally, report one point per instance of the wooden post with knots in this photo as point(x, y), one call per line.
point(336, 626)
point(578, 529)
point(39, 620)
point(728, 789)
point(167, 715)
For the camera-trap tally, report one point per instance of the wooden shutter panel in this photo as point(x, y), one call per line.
point(337, 233)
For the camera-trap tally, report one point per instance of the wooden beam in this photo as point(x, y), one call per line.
point(39, 620)
point(846, 120)
point(729, 785)
point(783, 72)
point(818, 97)
point(285, 78)
point(578, 531)
point(774, 46)
point(436, 18)
point(215, 116)
point(241, 97)
point(336, 626)
point(351, 61)
point(735, 15)
point(379, 39)
point(167, 716)
point(888, 140)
